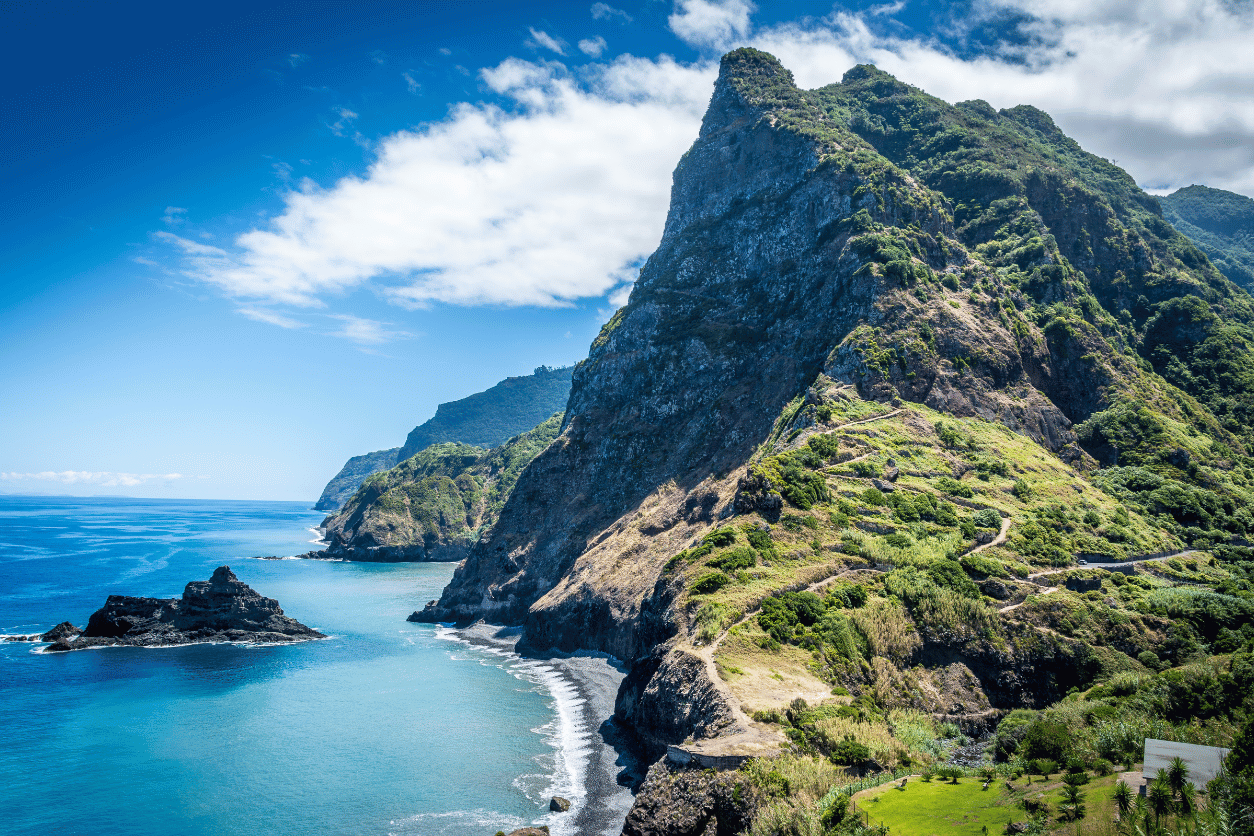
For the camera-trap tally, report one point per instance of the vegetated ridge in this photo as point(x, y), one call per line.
point(484, 419)
point(1221, 223)
point(882, 331)
point(435, 504)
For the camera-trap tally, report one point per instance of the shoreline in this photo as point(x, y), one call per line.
point(591, 750)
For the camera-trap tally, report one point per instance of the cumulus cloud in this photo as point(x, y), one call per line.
point(592, 46)
point(1162, 87)
point(174, 215)
point(103, 479)
point(555, 200)
point(711, 24)
point(547, 41)
point(559, 194)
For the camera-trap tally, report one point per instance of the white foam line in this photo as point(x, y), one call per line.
point(568, 734)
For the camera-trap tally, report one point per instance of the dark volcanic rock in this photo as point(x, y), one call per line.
point(674, 801)
point(557, 804)
point(64, 630)
point(221, 609)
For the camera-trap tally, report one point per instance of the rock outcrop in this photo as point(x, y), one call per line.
point(221, 609)
point(355, 471)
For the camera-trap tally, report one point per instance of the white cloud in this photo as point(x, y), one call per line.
point(592, 46)
point(269, 316)
point(1162, 86)
point(604, 11)
point(379, 57)
point(341, 125)
point(411, 83)
point(174, 215)
point(103, 479)
point(296, 59)
point(561, 195)
point(366, 331)
point(543, 39)
point(711, 24)
point(554, 201)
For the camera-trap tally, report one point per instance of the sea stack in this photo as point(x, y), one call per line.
point(221, 609)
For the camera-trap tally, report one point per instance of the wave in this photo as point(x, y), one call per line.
point(568, 734)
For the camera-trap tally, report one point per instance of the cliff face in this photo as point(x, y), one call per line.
point(859, 244)
point(764, 278)
point(355, 471)
point(436, 503)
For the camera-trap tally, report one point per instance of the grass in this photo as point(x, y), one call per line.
point(943, 809)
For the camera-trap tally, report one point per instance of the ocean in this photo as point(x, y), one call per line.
point(384, 728)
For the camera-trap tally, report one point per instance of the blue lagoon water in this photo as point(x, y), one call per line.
point(385, 728)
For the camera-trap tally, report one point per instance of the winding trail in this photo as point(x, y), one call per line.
point(996, 541)
point(1047, 591)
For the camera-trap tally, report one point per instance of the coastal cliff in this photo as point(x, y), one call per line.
point(891, 359)
point(435, 504)
point(484, 419)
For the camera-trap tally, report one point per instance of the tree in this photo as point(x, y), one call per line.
point(1072, 802)
point(1177, 775)
point(1161, 799)
point(1123, 799)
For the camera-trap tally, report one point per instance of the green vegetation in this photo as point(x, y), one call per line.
point(1220, 223)
point(443, 496)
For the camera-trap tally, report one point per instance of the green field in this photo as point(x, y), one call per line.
point(964, 809)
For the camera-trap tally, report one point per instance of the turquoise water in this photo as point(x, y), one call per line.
point(385, 728)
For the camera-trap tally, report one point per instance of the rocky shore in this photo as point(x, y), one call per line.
point(221, 609)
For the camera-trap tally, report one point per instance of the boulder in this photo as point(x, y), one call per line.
point(557, 804)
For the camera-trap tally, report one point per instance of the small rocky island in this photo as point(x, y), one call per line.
point(221, 609)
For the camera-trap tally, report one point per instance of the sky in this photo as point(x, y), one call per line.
point(242, 242)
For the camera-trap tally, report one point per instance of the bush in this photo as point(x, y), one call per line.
point(761, 540)
point(710, 582)
point(825, 446)
point(873, 497)
point(987, 518)
point(1044, 766)
point(721, 537)
point(953, 487)
point(850, 753)
point(740, 558)
point(1046, 740)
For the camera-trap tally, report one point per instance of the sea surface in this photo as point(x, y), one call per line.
point(385, 728)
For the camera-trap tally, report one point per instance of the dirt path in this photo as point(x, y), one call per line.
point(1110, 564)
point(996, 541)
point(1047, 591)
point(869, 420)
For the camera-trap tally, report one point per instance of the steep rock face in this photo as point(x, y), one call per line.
point(435, 504)
point(863, 236)
point(691, 802)
point(753, 292)
point(355, 471)
point(223, 608)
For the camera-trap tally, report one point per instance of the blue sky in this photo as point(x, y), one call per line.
point(244, 241)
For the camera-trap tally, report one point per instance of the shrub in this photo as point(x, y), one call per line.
point(761, 540)
point(850, 753)
point(898, 540)
point(873, 497)
point(721, 537)
point(825, 446)
point(710, 582)
point(1046, 740)
point(953, 487)
point(987, 518)
point(866, 469)
point(739, 558)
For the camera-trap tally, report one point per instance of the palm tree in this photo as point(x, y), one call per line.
point(1177, 775)
point(1161, 799)
point(1186, 800)
point(1123, 799)
point(1073, 801)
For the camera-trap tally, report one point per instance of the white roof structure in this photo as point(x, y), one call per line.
point(1204, 762)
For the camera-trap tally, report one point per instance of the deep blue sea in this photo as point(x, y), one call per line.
point(385, 728)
